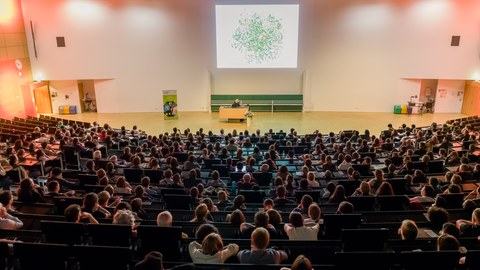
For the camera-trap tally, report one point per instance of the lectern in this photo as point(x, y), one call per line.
point(229, 113)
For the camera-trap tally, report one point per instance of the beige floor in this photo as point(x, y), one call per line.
point(306, 122)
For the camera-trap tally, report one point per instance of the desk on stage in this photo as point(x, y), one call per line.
point(232, 113)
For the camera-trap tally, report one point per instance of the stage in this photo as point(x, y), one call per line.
point(303, 122)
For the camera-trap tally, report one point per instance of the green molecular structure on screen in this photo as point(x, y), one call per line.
point(258, 37)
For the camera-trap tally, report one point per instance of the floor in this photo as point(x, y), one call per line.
point(303, 122)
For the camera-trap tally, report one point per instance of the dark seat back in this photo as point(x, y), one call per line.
point(363, 203)
point(445, 260)
point(253, 196)
point(454, 201)
point(435, 166)
point(393, 202)
point(154, 175)
point(364, 239)
point(110, 234)
point(262, 179)
point(378, 260)
point(179, 202)
point(103, 257)
point(87, 179)
point(33, 256)
point(363, 169)
point(333, 224)
point(315, 194)
point(163, 239)
point(133, 174)
point(63, 232)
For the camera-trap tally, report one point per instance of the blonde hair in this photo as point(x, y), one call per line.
point(212, 244)
point(124, 217)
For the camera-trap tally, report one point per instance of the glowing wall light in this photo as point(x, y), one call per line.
point(38, 77)
point(7, 10)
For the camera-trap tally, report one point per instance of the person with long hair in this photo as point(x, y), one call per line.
point(211, 250)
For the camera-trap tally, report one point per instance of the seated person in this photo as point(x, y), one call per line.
point(296, 229)
point(236, 103)
point(408, 230)
point(260, 254)
point(7, 221)
point(73, 213)
point(165, 219)
point(211, 250)
point(56, 174)
point(470, 228)
point(260, 219)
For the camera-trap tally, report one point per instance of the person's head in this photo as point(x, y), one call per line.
point(365, 188)
point(345, 207)
point(90, 201)
point(261, 219)
point(72, 213)
point(268, 204)
point(314, 212)
point(222, 196)
point(437, 215)
point(152, 261)
point(56, 172)
point(301, 263)
point(6, 198)
point(408, 230)
point(209, 203)
point(124, 217)
point(451, 229)
point(53, 186)
point(121, 182)
point(136, 204)
point(447, 242)
point(204, 230)
point(274, 217)
point(306, 201)
point(476, 216)
point(164, 219)
point(201, 212)
point(385, 188)
point(238, 201)
point(212, 244)
point(103, 198)
point(296, 219)
point(260, 238)
point(236, 217)
point(145, 181)
point(427, 190)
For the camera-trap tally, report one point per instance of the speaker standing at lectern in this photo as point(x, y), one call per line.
point(236, 103)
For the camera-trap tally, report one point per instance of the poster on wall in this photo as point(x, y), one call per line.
point(443, 93)
point(170, 104)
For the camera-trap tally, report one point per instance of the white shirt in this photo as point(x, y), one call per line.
point(195, 250)
point(10, 222)
point(301, 233)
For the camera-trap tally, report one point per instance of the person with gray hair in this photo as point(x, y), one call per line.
point(165, 219)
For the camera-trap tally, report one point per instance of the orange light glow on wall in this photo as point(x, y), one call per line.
point(7, 10)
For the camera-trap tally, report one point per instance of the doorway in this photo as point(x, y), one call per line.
point(41, 94)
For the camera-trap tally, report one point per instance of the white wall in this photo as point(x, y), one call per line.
point(408, 88)
point(65, 88)
point(106, 97)
point(452, 99)
point(354, 52)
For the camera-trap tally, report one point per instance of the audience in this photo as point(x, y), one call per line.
point(259, 252)
point(333, 152)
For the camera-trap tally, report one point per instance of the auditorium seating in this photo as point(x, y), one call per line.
point(370, 234)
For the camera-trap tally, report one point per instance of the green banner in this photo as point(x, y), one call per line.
point(170, 104)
